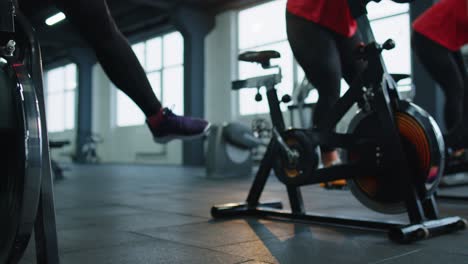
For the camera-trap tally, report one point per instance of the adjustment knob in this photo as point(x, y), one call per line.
point(258, 97)
point(389, 44)
point(286, 98)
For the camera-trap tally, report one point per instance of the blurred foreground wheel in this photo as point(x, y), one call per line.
point(20, 160)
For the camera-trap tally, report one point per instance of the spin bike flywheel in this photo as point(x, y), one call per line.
point(424, 150)
point(295, 172)
point(20, 160)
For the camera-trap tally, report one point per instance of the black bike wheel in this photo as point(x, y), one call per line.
point(424, 148)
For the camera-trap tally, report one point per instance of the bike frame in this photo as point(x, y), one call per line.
point(386, 101)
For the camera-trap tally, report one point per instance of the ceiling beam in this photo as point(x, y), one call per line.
point(237, 4)
point(161, 4)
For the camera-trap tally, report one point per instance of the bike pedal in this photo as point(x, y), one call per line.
point(334, 185)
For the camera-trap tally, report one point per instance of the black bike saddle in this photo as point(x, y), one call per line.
point(262, 57)
point(399, 76)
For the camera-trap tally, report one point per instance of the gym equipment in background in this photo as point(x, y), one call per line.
point(455, 175)
point(262, 129)
point(26, 188)
point(56, 168)
point(395, 153)
point(89, 149)
point(229, 151)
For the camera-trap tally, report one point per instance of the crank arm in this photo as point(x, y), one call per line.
point(331, 139)
point(292, 155)
point(338, 172)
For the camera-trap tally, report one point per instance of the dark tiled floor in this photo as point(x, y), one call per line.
point(145, 214)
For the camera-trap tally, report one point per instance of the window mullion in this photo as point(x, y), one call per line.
point(159, 72)
point(388, 16)
point(62, 97)
point(163, 67)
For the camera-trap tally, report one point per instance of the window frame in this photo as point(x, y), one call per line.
point(406, 87)
point(238, 64)
point(62, 92)
point(161, 70)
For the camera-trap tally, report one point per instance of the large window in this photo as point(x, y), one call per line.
point(60, 94)
point(392, 20)
point(163, 60)
point(388, 20)
point(263, 27)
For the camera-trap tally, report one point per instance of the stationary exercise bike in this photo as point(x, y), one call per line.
point(395, 152)
point(26, 191)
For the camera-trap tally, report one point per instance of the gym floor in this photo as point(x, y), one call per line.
point(145, 214)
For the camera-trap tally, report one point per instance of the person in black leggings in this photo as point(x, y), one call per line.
point(439, 33)
point(323, 44)
point(93, 20)
point(448, 69)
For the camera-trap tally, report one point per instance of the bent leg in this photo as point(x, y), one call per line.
point(443, 68)
point(315, 50)
point(350, 65)
point(95, 23)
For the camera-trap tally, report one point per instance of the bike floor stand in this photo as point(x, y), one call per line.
point(424, 221)
point(397, 232)
point(451, 197)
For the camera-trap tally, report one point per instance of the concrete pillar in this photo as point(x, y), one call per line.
point(194, 24)
point(85, 61)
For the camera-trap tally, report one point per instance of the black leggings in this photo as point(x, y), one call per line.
point(448, 70)
point(325, 57)
point(95, 23)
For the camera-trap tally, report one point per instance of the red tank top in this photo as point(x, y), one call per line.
point(332, 14)
point(446, 23)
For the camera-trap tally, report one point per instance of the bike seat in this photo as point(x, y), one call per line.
point(399, 76)
point(262, 57)
point(58, 144)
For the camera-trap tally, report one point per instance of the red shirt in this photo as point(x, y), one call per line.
point(332, 14)
point(446, 23)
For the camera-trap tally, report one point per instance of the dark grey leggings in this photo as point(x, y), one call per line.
point(325, 57)
point(95, 23)
point(448, 70)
